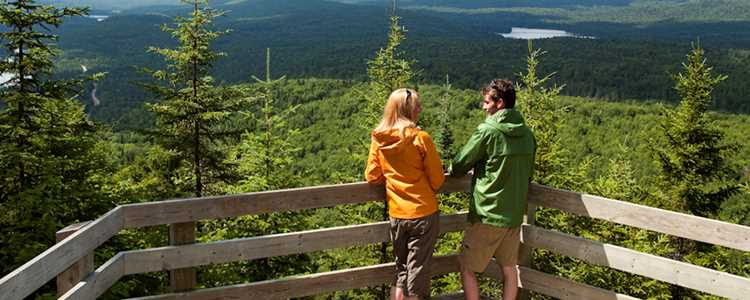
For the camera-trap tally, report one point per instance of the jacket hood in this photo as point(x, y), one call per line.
point(508, 121)
point(391, 141)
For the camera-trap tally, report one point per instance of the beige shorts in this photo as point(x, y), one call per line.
point(482, 242)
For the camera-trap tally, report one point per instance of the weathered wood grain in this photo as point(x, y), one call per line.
point(47, 265)
point(631, 261)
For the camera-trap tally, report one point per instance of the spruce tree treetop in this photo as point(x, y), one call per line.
point(543, 111)
point(192, 114)
point(387, 71)
point(691, 155)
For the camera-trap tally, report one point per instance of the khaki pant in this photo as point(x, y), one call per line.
point(413, 244)
point(482, 242)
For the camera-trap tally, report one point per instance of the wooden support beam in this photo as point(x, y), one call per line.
point(677, 224)
point(634, 262)
point(526, 252)
point(71, 276)
point(47, 265)
point(98, 282)
point(183, 279)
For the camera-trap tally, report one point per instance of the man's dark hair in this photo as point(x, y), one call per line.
point(501, 89)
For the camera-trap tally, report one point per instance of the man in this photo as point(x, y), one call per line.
point(501, 152)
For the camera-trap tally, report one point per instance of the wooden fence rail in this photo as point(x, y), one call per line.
point(32, 275)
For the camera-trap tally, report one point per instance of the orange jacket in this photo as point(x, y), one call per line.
point(411, 170)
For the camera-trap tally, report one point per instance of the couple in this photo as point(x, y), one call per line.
point(501, 153)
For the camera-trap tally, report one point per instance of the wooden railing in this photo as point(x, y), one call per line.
point(70, 260)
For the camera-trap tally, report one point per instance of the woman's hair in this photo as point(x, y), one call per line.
point(399, 112)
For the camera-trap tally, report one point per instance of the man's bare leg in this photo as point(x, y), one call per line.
point(510, 283)
point(471, 288)
point(397, 293)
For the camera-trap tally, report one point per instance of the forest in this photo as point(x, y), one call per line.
point(197, 109)
point(632, 58)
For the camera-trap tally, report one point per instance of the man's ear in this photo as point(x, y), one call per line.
point(500, 104)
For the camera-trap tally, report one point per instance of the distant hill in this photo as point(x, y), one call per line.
point(517, 3)
point(112, 4)
point(317, 38)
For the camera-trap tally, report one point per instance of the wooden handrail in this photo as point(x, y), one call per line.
point(673, 223)
point(32, 275)
point(634, 262)
point(44, 267)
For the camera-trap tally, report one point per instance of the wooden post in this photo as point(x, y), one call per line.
point(526, 252)
point(181, 280)
point(71, 276)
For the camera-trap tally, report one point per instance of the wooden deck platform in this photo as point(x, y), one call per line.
point(459, 296)
point(78, 278)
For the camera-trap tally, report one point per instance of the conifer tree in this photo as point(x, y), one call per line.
point(51, 160)
point(387, 71)
point(543, 111)
point(692, 158)
point(265, 154)
point(192, 113)
point(444, 136)
point(264, 159)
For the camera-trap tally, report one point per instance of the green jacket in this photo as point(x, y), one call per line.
point(501, 152)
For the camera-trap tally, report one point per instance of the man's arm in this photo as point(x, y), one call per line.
point(472, 152)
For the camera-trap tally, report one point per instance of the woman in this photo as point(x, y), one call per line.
point(404, 158)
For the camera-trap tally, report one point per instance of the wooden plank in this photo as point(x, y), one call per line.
point(526, 252)
point(659, 220)
point(563, 288)
point(321, 283)
point(71, 276)
point(459, 296)
point(308, 285)
point(631, 261)
point(456, 184)
point(554, 286)
point(175, 257)
point(98, 282)
point(183, 279)
point(47, 265)
point(195, 209)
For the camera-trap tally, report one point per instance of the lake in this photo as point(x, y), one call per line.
point(535, 33)
point(4, 77)
point(98, 17)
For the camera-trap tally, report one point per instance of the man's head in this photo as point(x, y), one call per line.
point(498, 94)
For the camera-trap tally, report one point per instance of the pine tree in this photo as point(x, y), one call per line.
point(543, 111)
point(444, 136)
point(387, 71)
point(264, 159)
point(265, 154)
point(692, 158)
point(192, 113)
point(51, 159)
point(691, 155)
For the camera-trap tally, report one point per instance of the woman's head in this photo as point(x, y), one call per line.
point(401, 111)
